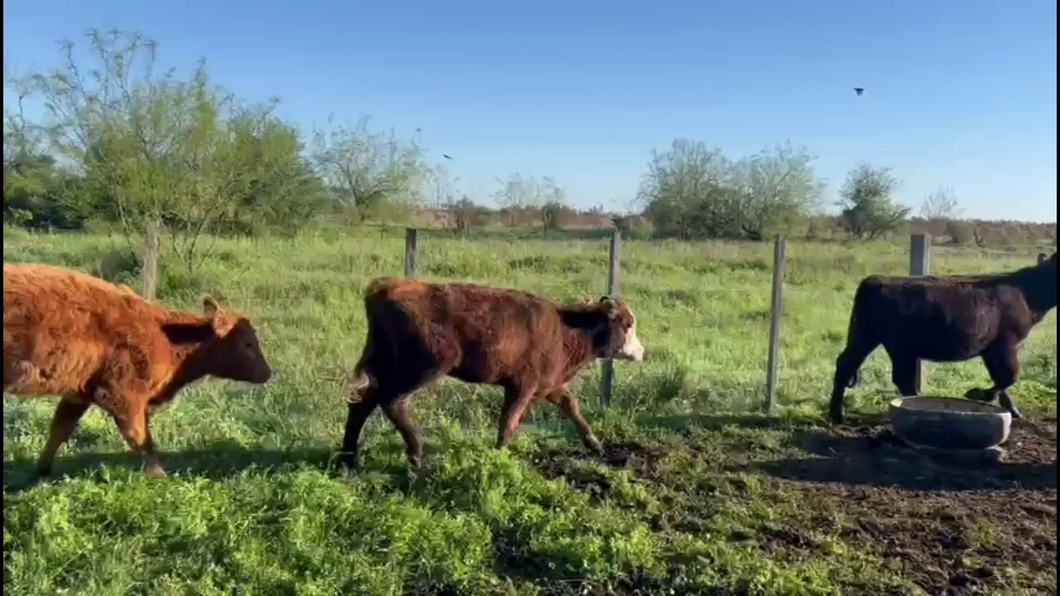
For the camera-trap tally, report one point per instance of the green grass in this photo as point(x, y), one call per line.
point(693, 495)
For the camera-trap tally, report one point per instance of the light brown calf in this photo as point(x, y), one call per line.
point(90, 342)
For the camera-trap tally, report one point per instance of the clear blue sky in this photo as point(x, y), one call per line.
point(960, 93)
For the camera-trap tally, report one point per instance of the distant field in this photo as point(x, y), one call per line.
point(694, 495)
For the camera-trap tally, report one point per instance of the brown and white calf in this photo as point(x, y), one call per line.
point(530, 346)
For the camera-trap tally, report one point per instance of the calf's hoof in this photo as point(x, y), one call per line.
point(348, 463)
point(594, 445)
point(835, 417)
point(155, 471)
point(1008, 404)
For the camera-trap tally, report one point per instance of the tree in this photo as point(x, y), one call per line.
point(31, 177)
point(940, 206)
point(778, 188)
point(960, 232)
point(554, 210)
point(370, 171)
point(133, 136)
point(465, 214)
point(516, 196)
point(867, 202)
point(692, 191)
point(683, 193)
point(155, 150)
point(272, 184)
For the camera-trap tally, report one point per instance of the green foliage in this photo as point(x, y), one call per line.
point(635, 227)
point(371, 173)
point(147, 147)
point(691, 191)
point(961, 233)
point(465, 215)
point(868, 204)
point(33, 184)
point(527, 200)
point(272, 185)
point(778, 190)
point(554, 215)
point(554, 210)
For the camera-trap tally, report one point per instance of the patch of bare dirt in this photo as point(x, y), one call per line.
point(554, 463)
point(954, 523)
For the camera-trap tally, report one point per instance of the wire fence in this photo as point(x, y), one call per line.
point(266, 307)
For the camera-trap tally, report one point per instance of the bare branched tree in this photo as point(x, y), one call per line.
point(941, 205)
point(368, 169)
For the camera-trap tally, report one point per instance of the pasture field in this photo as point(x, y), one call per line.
point(696, 494)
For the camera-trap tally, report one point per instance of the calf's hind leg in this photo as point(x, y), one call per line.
point(362, 403)
point(846, 370)
point(388, 386)
point(67, 414)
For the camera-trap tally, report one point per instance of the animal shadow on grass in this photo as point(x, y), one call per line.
point(217, 461)
point(663, 424)
point(873, 456)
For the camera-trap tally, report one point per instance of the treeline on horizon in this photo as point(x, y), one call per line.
point(125, 143)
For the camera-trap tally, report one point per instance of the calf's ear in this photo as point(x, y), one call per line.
point(609, 306)
point(210, 308)
point(187, 333)
point(221, 322)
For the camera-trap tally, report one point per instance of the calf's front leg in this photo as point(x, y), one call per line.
point(1002, 362)
point(130, 415)
point(568, 404)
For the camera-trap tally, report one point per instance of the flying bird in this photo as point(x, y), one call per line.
point(859, 90)
point(446, 156)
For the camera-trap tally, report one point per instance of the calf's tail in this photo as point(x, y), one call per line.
point(361, 380)
point(852, 382)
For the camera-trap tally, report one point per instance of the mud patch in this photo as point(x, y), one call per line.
point(570, 464)
point(955, 526)
point(951, 527)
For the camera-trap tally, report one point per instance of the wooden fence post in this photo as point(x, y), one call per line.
point(410, 252)
point(150, 256)
point(919, 266)
point(772, 377)
point(607, 378)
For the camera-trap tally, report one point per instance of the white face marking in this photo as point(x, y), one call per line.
point(632, 350)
